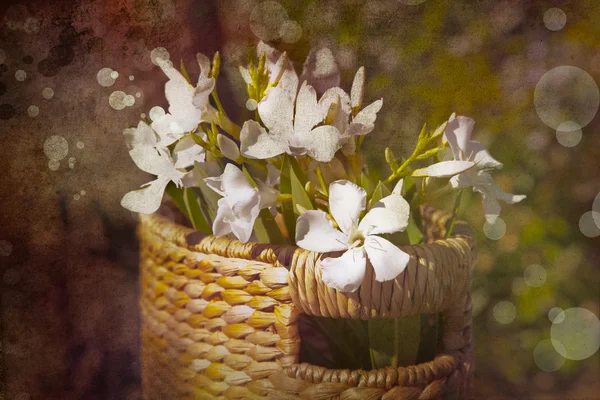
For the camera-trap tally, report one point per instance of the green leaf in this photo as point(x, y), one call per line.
point(184, 71)
point(415, 235)
point(267, 230)
point(366, 183)
point(176, 195)
point(194, 206)
point(379, 193)
point(285, 187)
point(209, 196)
point(298, 180)
point(394, 342)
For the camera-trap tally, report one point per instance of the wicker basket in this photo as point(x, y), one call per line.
point(220, 317)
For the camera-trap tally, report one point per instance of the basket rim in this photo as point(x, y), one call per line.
point(281, 254)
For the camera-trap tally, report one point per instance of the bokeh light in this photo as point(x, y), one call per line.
point(47, 93)
point(577, 335)
point(33, 111)
point(290, 31)
point(555, 19)
point(105, 77)
point(556, 315)
point(5, 248)
point(504, 312)
point(120, 100)
point(267, 19)
point(80, 145)
point(535, 275)
point(496, 230)
point(56, 147)
point(159, 53)
point(251, 104)
point(53, 165)
point(588, 225)
point(569, 134)
point(546, 357)
point(20, 75)
point(566, 93)
point(156, 113)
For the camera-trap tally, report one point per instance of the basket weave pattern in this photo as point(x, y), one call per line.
point(219, 317)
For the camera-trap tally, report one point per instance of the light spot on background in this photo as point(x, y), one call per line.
point(120, 100)
point(566, 94)
point(251, 104)
point(5, 248)
point(535, 275)
point(82, 192)
point(156, 113)
point(33, 111)
point(546, 357)
point(569, 134)
point(556, 315)
point(48, 93)
point(504, 312)
point(76, 196)
point(105, 77)
point(131, 77)
point(496, 230)
point(266, 20)
point(290, 31)
point(596, 210)
point(555, 19)
point(20, 75)
point(56, 147)
point(158, 54)
point(72, 161)
point(53, 165)
point(80, 145)
point(588, 225)
point(577, 335)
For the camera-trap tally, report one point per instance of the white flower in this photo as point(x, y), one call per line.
point(458, 134)
point(289, 132)
point(188, 105)
point(148, 154)
point(156, 162)
point(241, 202)
point(340, 107)
point(315, 232)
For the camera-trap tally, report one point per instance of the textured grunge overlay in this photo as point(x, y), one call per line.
point(75, 73)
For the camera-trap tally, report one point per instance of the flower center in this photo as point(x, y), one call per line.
point(356, 239)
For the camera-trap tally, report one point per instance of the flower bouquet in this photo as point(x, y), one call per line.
point(302, 259)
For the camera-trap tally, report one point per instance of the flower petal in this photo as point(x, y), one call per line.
point(168, 128)
point(256, 142)
point(149, 160)
point(346, 201)
point(321, 143)
point(228, 147)
point(186, 152)
point(315, 232)
point(276, 110)
point(387, 259)
point(308, 113)
point(320, 70)
point(458, 133)
point(444, 169)
point(358, 88)
point(388, 215)
point(221, 226)
point(142, 135)
point(147, 199)
point(245, 72)
point(204, 64)
point(398, 188)
point(345, 273)
point(491, 208)
point(364, 122)
point(481, 157)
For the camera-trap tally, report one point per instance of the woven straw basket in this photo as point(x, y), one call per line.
point(220, 317)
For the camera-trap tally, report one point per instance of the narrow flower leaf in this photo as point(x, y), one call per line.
point(366, 183)
point(298, 180)
point(176, 194)
point(209, 196)
point(379, 193)
point(184, 71)
point(267, 230)
point(285, 187)
point(193, 205)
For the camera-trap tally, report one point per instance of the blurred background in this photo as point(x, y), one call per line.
point(74, 74)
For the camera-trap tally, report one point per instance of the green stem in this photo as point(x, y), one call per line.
point(454, 213)
point(215, 97)
point(322, 180)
